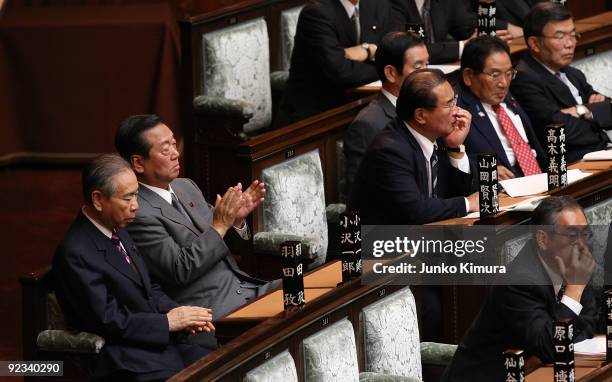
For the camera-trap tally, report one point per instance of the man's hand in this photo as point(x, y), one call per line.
point(515, 30)
point(473, 201)
point(574, 112)
point(190, 318)
point(577, 271)
point(503, 173)
point(359, 53)
point(226, 210)
point(461, 127)
point(596, 98)
point(252, 197)
point(505, 35)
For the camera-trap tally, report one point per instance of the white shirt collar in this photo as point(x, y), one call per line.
point(545, 67)
point(426, 145)
point(165, 194)
point(107, 232)
point(390, 97)
point(349, 7)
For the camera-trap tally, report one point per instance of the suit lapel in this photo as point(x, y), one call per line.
point(166, 209)
point(421, 165)
point(130, 247)
point(386, 106)
point(190, 206)
point(558, 89)
point(345, 21)
point(111, 254)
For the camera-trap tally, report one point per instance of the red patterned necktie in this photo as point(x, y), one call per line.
point(524, 156)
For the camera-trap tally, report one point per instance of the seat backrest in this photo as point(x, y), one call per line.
point(295, 200)
point(278, 368)
point(236, 65)
point(391, 335)
point(288, 25)
point(597, 69)
point(330, 354)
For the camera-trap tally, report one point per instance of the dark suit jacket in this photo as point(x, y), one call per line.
point(452, 17)
point(543, 95)
point(392, 187)
point(100, 293)
point(517, 316)
point(513, 12)
point(369, 122)
point(319, 73)
point(483, 138)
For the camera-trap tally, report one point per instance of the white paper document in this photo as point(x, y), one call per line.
point(536, 184)
point(592, 346)
point(526, 205)
point(598, 155)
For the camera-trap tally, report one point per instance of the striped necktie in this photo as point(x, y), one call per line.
point(433, 163)
point(356, 25)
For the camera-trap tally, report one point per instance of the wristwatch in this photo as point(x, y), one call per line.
point(460, 149)
point(581, 110)
point(366, 46)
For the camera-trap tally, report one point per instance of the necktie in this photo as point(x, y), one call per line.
point(117, 242)
point(356, 25)
point(179, 207)
point(426, 15)
point(433, 162)
point(524, 156)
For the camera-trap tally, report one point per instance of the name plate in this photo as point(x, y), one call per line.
point(350, 245)
point(608, 310)
point(563, 340)
point(556, 150)
point(487, 10)
point(514, 365)
point(293, 274)
point(488, 189)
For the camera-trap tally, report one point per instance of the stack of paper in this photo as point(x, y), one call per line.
point(599, 155)
point(592, 349)
point(536, 184)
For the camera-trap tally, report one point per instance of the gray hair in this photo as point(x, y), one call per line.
point(98, 175)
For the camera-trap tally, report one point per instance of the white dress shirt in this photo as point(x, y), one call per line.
point(390, 97)
point(557, 281)
point(349, 7)
point(105, 231)
point(428, 148)
point(501, 134)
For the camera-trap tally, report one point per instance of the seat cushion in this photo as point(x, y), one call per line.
point(391, 335)
point(330, 354)
point(598, 70)
point(236, 64)
point(295, 200)
point(278, 368)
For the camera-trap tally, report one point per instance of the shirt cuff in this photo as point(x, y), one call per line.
point(244, 231)
point(467, 205)
point(574, 305)
point(462, 164)
point(461, 45)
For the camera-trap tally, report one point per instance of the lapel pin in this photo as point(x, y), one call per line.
point(374, 27)
point(191, 204)
point(481, 114)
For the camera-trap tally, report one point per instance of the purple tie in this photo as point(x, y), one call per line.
point(117, 242)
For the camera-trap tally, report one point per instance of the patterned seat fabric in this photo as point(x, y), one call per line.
point(330, 355)
point(237, 68)
point(598, 70)
point(295, 203)
point(289, 20)
point(279, 368)
point(391, 335)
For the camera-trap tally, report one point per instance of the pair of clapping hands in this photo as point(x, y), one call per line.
point(235, 205)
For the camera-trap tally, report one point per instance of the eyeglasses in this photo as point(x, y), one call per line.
point(451, 105)
point(572, 237)
point(563, 36)
point(497, 76)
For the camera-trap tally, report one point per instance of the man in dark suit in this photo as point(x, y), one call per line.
point(547, 281)
point(440, 18)
point(551, 91)
point(181, 237)
point(415, 171)
point(103, 285)
point(499, 124)
point(398, 55)
point(335, 44)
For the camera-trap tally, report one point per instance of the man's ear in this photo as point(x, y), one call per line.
point(467, 76)
point(420, 115)
point(137, 162)
point(533, 43)
point(541, 238)
point(390, 74)
point(96, 200)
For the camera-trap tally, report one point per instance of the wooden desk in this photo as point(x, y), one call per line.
point(586, 371)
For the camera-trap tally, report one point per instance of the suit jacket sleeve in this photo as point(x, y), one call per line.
point(397, 181)
point(533, 97)
point(527, 315)
point(355, 145)
point(171, 262)
point(111, 318)
point(320, 33)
